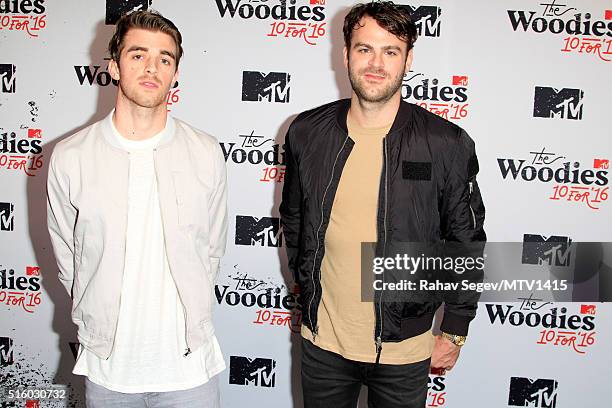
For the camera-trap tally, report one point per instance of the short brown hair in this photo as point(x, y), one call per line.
point(392, 17)
point(146, 20)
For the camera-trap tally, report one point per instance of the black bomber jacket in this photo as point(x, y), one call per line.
point(428, 193)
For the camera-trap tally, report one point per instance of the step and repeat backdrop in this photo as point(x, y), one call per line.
point(529, 80)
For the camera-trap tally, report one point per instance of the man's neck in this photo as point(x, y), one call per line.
point(373, 115)
point(138, 123)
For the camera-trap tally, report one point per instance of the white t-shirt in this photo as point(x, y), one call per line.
point(149, 347)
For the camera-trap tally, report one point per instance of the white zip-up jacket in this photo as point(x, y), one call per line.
point(87, 219)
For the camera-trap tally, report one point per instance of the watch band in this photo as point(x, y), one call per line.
point(455, 339)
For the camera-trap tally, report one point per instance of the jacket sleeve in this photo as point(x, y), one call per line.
point(463, 216)
point(291, 206)
point(217, 212)
point(61, 218)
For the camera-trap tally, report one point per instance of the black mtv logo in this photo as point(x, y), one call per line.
point(271, 87)
point(426, 18)
point(541, 250)
point(7, 78)
point(552, 103)
point(6, 351)
point(7, 216)
point(117, 8)
point(264, 231)
point(525, 392)
point(258, 372)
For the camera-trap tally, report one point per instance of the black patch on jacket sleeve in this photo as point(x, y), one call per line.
point(416, 170)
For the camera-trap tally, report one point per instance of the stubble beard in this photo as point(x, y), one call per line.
point(382, 95)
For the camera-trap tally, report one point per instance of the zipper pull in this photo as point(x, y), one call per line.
point(188, 351)
point(378, 349)
point(471, 184)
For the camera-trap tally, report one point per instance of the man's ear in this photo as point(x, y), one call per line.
point(113, 69)
point(175, 77)
point(345, 54)
point(409, 60)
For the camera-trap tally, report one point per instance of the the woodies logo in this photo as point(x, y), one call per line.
point(21, 150)
point(446, 99)
point(20, 291)
point(560, 327)
point(98, 75)
point(275, 305)
point(571, 181)
point(23, 15)
point(436, 391)
point(582, 32)
point(255, 149)
point(303, 21)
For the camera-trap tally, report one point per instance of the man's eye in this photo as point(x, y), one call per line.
point(165, 61)
point(363, 50)
point(137, 57)
point(391, 53)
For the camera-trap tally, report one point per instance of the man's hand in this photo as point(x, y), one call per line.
point(444, 355)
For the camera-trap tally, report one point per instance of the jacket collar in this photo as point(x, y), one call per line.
point(402, 118)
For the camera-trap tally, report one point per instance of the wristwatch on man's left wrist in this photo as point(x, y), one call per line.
point(455, 339)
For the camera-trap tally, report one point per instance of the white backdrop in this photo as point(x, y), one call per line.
point(508, 72)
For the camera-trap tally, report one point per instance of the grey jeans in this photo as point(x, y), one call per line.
point(203, 396)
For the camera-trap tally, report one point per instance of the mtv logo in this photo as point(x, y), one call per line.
point(254, 231)
point(540, 250)
point(258, 372)
point(601, 163)
point(317, 2)
point(32, 270)
point(525, 392)
point(6, 217)
point(6, 351)
point(608, 14)
point(32, 404)
point(35, 133)
point(587, 309)
point(117, 8)
point(552, 103)
point(7, 78)
point(460, 80)
point(271, 87)
point(426, 18)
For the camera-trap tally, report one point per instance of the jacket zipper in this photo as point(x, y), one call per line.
point(315, 330)
point(188, 349)
point(386, 174)
point(471, 185)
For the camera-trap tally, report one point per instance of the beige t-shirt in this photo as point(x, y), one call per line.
point(346, 324)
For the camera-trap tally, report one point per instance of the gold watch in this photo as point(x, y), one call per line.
point(455, 339)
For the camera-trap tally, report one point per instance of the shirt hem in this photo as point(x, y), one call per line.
point(137, 389)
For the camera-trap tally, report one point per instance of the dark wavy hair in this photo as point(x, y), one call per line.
point(146, 20)
point(392, 17)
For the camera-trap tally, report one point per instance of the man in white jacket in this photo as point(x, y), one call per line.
point(138, 221)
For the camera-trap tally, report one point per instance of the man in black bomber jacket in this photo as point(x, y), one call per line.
point(375, 169)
